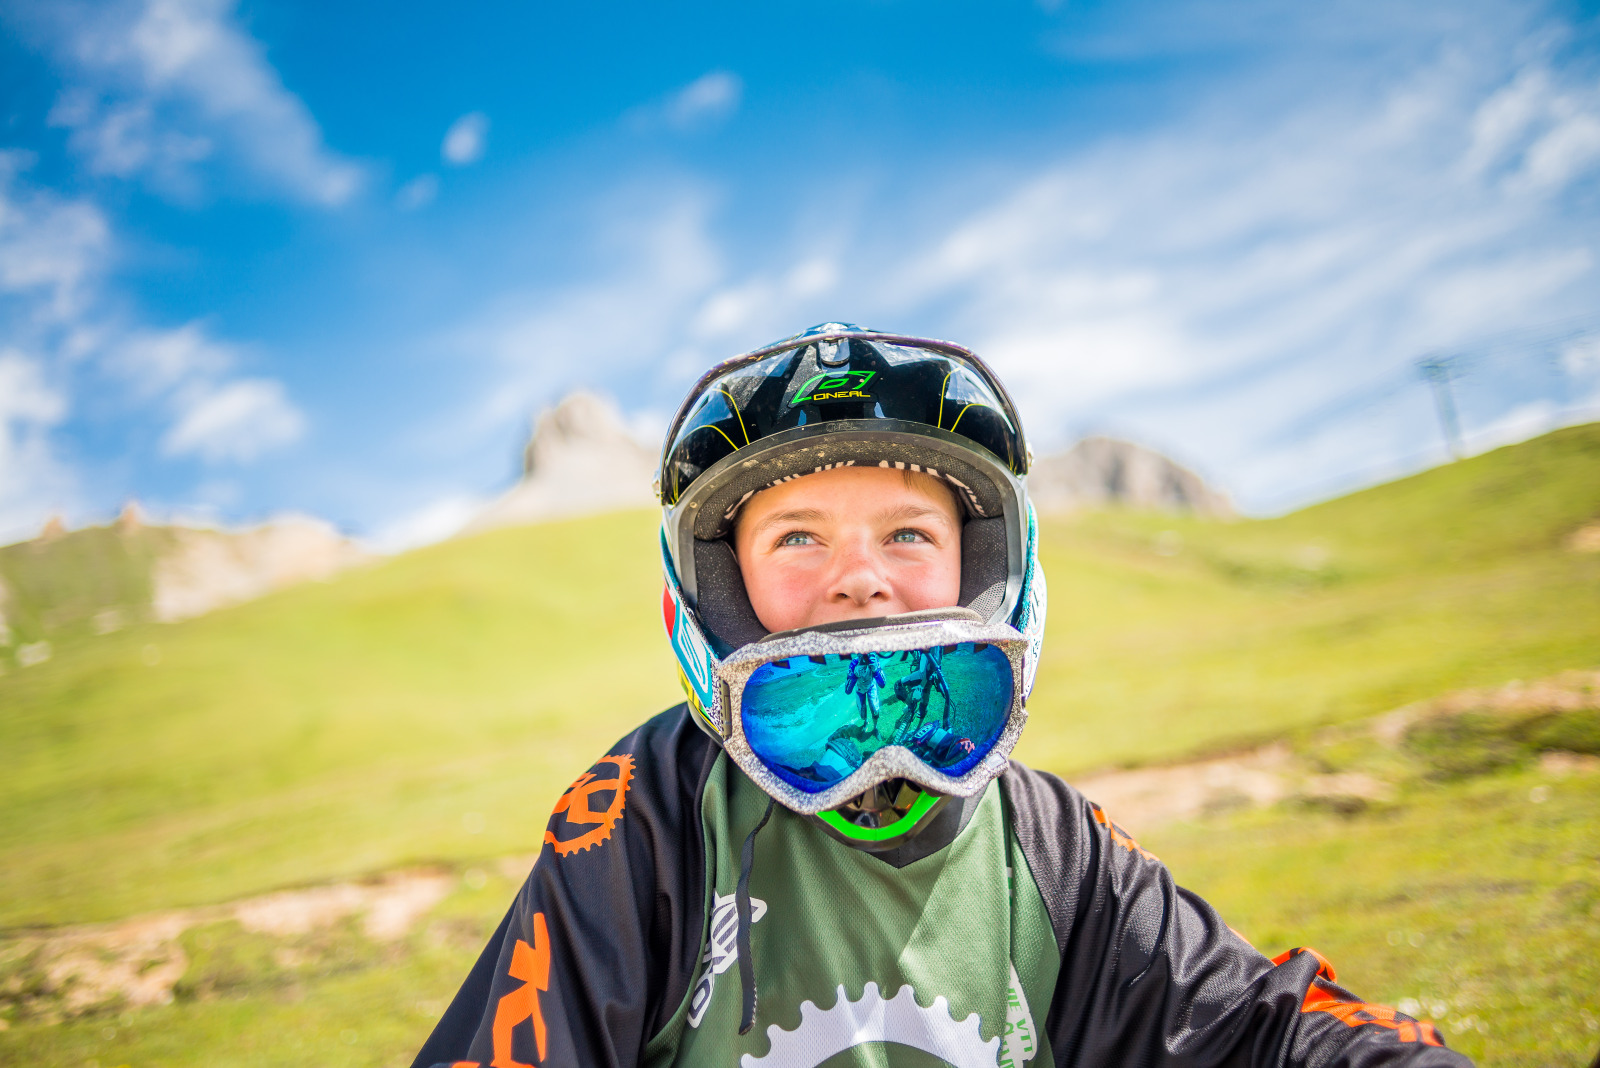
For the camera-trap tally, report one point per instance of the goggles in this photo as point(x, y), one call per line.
point(817, 716)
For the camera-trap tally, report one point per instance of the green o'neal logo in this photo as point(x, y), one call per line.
point(835, 385)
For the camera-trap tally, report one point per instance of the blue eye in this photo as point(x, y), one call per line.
point(797, 538)
point(906, 536)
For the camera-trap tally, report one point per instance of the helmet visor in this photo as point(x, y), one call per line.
point(821, 378)
point(815, 720)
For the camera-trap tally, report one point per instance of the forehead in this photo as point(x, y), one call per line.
point(853, 491)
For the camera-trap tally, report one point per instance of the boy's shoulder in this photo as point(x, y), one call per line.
point(649, 781)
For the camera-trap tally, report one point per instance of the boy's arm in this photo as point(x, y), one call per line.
point(600, 945)
point(1151, 975)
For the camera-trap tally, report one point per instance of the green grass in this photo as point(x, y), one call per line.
point(54, 588)
point(1469, 899)
point(331, 997)
point(1454, 578)
point(329, 730)
point(348, 727)
point(432, 707)
point(1498, 942)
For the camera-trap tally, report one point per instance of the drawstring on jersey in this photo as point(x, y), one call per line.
point(741, 904)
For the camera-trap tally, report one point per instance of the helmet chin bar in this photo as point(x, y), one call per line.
point(885, 816)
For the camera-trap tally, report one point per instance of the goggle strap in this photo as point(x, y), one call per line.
point(741, 905)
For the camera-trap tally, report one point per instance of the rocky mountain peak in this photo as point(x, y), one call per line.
point(1100, 471)
point(580, 459)
point(580, 423)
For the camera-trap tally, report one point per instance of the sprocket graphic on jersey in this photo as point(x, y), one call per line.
point(825, 1033)
point(574, 806)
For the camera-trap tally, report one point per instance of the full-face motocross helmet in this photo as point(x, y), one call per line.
point(867, 724)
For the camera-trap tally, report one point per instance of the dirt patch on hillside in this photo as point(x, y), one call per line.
point(139, 961)
point(1146, 797)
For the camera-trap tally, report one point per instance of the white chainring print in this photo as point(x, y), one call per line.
point(825, 1033)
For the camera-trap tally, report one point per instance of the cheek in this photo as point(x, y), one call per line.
point(933, 583)
point(781, 590)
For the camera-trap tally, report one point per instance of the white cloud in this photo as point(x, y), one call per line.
point(704, 102)
point(236, 421)
point(1215, 285)
point(466, 139)
point(50, 248)
point(710, 97)
point(1581, 355)
point(159, 361)
point(747, 308)
point(417, 193)
point(656, 263)
point(33, 481)
point(157, 87)
point(433, 522)
point(1308, 250)
point(216, 415)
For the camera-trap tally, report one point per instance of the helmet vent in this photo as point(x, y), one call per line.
point(833, 353)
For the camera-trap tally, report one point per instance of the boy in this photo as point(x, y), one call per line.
point(845, 528)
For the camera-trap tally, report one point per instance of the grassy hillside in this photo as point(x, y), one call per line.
point(54, 588)
point(1173, 636)
point(329, 729)
point(432, 707)
point(1467, 895)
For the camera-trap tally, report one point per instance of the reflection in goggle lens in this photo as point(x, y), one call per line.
point(815, 719)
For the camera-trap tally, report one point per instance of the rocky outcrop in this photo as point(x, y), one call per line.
point(206, 569)
point(580, 460)
point(1102, 471)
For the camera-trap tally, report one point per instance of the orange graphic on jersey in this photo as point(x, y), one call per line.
point(1118, 835)
point(1354, 1013)
point(574, 805)
point(531, 964)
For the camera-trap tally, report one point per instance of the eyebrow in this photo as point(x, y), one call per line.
point(793, 515)
point(902, 514)
point(907, 512)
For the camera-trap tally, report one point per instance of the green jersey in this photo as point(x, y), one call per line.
point(861, 963)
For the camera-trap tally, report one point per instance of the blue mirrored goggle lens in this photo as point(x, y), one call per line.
point(815, 719)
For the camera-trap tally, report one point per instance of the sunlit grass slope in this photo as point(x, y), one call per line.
point(1474, 904)
point(434, 706)
point(1169, 636)
point(330, 729)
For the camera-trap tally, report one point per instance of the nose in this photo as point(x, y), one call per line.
point(859, 578)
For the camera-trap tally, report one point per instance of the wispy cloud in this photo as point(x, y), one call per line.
point(653, 261)
point(33, 480)
point(417, 193)
point(50, 247)
point(464, 143)
point(704, 102)
point(1311, 249)
point(216, 415)
point(161, 88)
point(234, 421)
point(67, 338)
point(1207, 284)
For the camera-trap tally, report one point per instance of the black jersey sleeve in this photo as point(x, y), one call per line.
point(1150, 975)
point(600, 945)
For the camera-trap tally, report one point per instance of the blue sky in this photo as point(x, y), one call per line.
point(260, 257)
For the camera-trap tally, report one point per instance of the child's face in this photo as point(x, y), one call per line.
point(850, 543)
